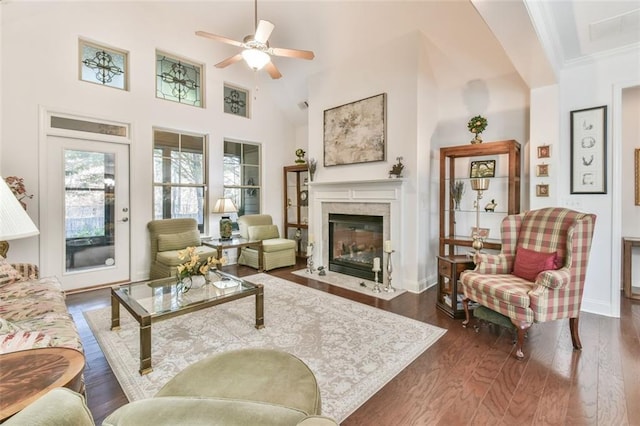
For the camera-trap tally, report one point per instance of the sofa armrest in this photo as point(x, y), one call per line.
point(28, 270)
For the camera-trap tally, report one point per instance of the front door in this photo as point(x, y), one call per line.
point(85, 218)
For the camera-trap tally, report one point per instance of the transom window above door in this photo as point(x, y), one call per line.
point(179, 176)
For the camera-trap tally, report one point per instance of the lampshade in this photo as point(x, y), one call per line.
point(225, 205)
point(256, 59)
point(480, 184)
point(15, 223)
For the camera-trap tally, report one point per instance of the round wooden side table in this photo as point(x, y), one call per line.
point(27, 375)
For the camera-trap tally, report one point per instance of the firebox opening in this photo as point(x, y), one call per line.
point(354, 240)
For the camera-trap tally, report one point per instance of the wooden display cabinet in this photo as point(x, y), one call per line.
point(449, 299)
point(296, 206)
point(504, 188)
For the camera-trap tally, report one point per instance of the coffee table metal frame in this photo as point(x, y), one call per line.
point(121, 295)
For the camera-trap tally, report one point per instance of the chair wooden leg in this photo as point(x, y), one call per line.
point(575, 338)
point(522, 328)
point(465, 306)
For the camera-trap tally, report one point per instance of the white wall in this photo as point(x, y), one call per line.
point(423, 114)
point(544, 131)
point(40, 68)
point(586, 86)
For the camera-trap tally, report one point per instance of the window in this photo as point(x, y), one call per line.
point(179, 176)
point(178, 80)
point(236, 101)
point(102, 65)
point(242, 176)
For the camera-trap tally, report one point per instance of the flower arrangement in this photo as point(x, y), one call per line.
point(194, 266)
point(396, 169)
point(16, 185)
point(477, 125)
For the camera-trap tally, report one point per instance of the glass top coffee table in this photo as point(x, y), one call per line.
point(155, 300)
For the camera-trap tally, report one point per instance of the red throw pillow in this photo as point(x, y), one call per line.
point(530, 263)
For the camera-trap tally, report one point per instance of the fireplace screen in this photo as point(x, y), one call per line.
point(354, 240)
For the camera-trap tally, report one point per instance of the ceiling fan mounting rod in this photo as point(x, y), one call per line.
point(255, 15)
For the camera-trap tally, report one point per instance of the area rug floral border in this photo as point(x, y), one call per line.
point(353, 349)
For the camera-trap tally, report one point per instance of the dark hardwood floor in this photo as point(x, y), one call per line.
point(466, 377)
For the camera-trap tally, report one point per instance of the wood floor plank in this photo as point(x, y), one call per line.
point(465, 378)
point(612, 403)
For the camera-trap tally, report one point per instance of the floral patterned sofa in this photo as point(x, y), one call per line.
point(33, 312)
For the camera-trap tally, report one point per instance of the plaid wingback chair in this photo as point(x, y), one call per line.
point(547, 295)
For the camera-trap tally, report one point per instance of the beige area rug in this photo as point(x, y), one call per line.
point(351, 283)
point(353, 349)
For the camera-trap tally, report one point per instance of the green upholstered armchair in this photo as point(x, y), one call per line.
point(276, 252)
point(168, 236)
point(539, 274)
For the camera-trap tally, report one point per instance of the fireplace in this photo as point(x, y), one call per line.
point(354, 241)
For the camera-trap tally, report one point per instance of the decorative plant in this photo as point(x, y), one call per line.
point(457, 190)
point(16, 184)
point(396, 169)
point(194, 266)
point(477, 125)
point(300, 154)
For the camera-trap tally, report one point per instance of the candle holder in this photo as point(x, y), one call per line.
point(310, 258)
point(376, 286)
point(389, 288)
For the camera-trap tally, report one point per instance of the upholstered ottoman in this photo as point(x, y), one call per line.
point(261, 375)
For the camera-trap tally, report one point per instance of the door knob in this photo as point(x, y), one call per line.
point(125, 219)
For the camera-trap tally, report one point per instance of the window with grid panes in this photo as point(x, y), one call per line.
point(242, 164)
point(179, 176)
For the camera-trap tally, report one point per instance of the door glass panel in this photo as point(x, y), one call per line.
point(89, 209)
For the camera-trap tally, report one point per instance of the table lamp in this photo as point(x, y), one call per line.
point(225, 206)
point(478, 185)
point(15, 223)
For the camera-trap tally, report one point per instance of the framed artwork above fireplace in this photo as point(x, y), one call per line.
point(356, 132)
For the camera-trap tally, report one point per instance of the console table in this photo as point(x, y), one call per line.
point(627, 245)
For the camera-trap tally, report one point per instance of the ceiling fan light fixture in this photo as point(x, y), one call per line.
point(256, 59)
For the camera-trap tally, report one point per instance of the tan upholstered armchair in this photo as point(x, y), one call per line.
point(168, 236)
point(539, 274)
point(276, 252)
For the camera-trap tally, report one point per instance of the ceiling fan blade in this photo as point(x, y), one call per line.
point(219, 38)
point(263, 31)
point(272, 70)
point(292, 53)
point(229, 61)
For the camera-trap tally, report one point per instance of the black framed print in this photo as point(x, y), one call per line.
point(589, 151)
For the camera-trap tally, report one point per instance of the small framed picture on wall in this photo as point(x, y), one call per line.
point(544, 151)
point(542, 190)
point(542, 170)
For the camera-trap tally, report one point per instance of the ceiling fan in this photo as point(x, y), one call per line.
point(257, 52)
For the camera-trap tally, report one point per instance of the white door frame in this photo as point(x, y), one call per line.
point(47, 130)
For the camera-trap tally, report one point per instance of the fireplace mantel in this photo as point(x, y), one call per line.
point(381, 197)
